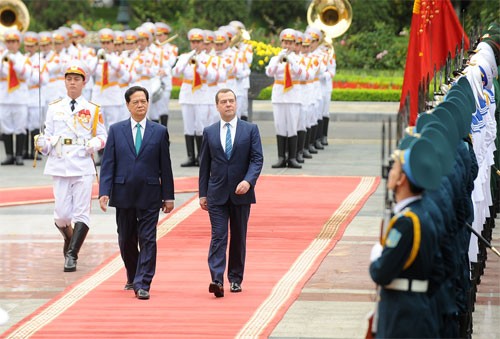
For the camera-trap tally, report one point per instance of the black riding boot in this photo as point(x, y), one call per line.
point(67, 233)
point(190, 162)
point(319, 135)
point(26, 145)
point(280, 140)
point(8, 141)
point(292, 153)
point(164, 120)
point(76, 242)
point(307, 154)
point(324, 140)
point(199, 139)
point(301, 139)
point(20, 138)
point(313, 150)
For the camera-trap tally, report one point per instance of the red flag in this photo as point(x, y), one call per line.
point(12, 80)
point(435, 32)
point(196, 79)
point(105, 76)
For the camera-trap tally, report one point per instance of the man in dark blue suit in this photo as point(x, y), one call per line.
point(136, 178)
point(230, 164)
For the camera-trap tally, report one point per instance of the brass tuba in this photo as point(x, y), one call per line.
point(333, 17)
point(13, 14)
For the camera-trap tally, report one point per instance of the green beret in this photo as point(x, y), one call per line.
point(456, 112)
point(423, 119)
point(406, 141)
point(445, 155)
point(447, 120)
point(421, 164)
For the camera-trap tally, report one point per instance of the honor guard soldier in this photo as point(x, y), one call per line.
point(14, 72)
point(36, 97)
point(245, 55)
point(167, 56)
point(56, 63)
point(316, 53)
point(108, 69)
point(193, 69)
point(144, 64)
point(74, 131)
point(408, 254)
point(286, 99)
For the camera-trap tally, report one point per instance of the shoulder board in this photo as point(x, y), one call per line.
point(55, 101)
point(93, 103)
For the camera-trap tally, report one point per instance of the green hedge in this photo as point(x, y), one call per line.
point(339, 94)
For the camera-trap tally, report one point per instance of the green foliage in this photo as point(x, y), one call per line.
point(378, 48)
point(341, 94)
point(386, 95)
point(375, 77)
point(50, 15)
point(277, 15)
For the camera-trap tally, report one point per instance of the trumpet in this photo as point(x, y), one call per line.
point(5, 57)
point(101, 54)
point(284, 58)
point(192, 58)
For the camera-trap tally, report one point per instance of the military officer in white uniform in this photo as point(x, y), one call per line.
point(74, 131)
point(14, 71)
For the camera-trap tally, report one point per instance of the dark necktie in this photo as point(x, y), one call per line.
point(73, 102)
point(229, 144)
point(138, 138)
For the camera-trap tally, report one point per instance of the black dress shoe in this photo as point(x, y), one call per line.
point(128, 286)
point(142, 294)
point(217, 289)
point(235, 287)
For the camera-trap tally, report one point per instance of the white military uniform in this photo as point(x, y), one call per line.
point(71, 139)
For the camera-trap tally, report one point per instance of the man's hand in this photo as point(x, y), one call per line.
point(204, 204)
point(103, 202)
point(242, 187)
point(167, 207)
point(40, 142)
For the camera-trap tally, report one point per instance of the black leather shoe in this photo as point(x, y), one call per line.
point(142, 294)
point(217, 289)
point(128, 286)
point(235, 287)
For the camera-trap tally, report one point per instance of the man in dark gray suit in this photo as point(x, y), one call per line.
point(230, 163)
point(136, 178)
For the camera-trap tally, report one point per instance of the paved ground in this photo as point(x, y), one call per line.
point(334, 302)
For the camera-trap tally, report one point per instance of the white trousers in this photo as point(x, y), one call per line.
point(160, 107)
point(195, 118)
point(113, 114)
point(286, 119)
point(72, 199)
point(13, 118)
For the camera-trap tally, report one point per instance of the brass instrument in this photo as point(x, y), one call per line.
point(332, 17)
point(243, 35)
point(284, 58)
point(172, 38)
point(5, 58)
point(101, 54)
point(13, 14)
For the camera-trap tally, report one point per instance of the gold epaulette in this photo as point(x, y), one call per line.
point(55, 101)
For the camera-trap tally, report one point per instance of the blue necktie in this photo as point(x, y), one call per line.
point(229, 144)
point(138, 138)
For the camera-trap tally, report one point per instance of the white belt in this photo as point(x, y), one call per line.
point(70, 141)
point(411, 285)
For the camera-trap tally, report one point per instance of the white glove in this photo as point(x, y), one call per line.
point(40, 141)
point(283, 52)
point(93, 145)
point(376, 252)
point(138, 67)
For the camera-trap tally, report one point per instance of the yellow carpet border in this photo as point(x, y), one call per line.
point(284, 288)
point(79, 291)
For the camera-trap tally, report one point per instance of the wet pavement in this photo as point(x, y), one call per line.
point(334, 302)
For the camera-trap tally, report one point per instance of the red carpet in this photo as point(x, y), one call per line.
point(43, 194)
point(295, 223)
